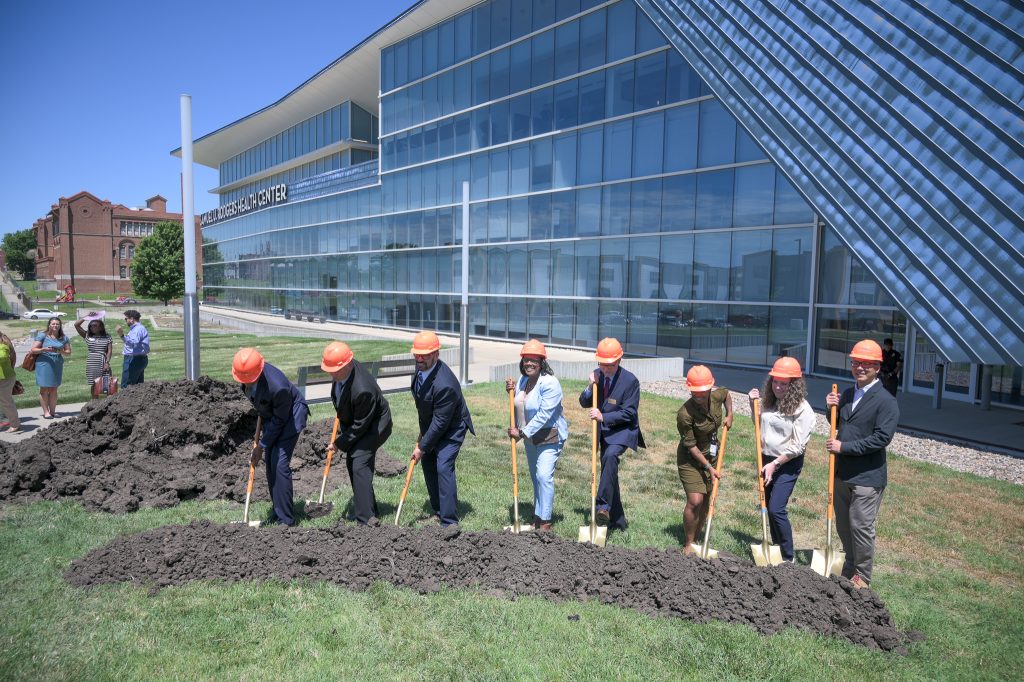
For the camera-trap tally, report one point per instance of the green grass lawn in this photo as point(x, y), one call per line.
point(167, 356)
point(949, 564)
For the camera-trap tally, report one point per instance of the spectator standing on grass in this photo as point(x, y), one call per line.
point(618, 412)
point(284, 411)
point(364, 424)
point(100, 346)
point(50, 348)
point(892, 367)
point(8, 357)
point(868, 415)
point(136, 349)
point(444, 420)
point(698, 421)
point(786, 424)
point(540, 424)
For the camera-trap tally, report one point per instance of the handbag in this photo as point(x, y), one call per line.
point(29, 363)
point(104, 385)
point(18, 389)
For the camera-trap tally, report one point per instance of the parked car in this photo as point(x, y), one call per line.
point(124, 300)
point(7, 315)
point(40, 313)
point(276, 311)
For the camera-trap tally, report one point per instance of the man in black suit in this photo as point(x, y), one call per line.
point(618, 405)
point(364, 419)
point(868, 415)
point(892, 367)
point(444, 419)
point(283, 409)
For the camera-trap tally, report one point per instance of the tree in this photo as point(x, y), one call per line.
point(158, 270)
point(20, 248)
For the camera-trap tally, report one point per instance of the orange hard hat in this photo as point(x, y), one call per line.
point(336, 356)
point(533, 347)
point(867, 350)
point(608, 351)
point(247, 365)
point(786, 368)
point(425, 343)
point(699, 378)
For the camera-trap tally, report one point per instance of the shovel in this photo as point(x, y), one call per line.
point(516, 527)
point(765, 554)
point(594, 534)
point(405, 490)
point(318, 508)
point(252, 475)
point(703, 550)
point(829, 561)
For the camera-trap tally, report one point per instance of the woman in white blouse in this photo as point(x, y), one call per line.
point(786, 424)
point(541, 425)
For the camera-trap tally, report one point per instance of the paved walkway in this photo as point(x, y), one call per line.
point(998, 428)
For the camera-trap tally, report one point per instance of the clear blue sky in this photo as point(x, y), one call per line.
point(91, 90)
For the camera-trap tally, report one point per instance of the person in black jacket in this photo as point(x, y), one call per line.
point(284, 412)
point(618, 405)
point(444, 419)
point(364, 418)
point(868, 415)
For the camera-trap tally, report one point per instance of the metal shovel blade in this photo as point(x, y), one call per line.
point(826, 563)
point(520, 528)
point(766, 554)
point(595, 535)
point(697, 551)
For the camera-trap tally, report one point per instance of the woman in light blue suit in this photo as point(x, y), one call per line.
point(540, 424)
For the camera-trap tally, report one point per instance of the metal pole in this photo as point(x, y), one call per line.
point(940, 380)
point(188, 221)
point(986, 387)
point(464, 330)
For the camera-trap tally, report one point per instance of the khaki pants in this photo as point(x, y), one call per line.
point(7, 402)
point(856, 508)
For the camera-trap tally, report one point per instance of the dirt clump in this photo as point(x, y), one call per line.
point(654, 582)
point(158, 444)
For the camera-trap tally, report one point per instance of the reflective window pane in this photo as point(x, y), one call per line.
point(717, 134)
point(751, 269)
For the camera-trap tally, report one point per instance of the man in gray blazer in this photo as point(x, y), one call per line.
point(868, 415)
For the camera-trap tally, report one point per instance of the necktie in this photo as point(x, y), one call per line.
point(607, 386)
point(419, 381)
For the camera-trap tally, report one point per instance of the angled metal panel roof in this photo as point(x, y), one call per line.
point(902, 124)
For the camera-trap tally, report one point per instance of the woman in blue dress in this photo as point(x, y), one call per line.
point(50, 349)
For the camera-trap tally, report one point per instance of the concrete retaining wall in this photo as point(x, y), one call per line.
point(645, 369)
point(450, 356)
point(262, 328)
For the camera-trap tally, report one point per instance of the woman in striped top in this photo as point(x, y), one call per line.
point(100, 346)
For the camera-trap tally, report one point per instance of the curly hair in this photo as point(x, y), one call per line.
point(796, 392)
point(545, 368)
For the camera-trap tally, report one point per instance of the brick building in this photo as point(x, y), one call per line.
point(90, 243)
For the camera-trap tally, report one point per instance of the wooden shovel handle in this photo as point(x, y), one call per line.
point(757, 444)
point(718, 468)
point(330, 453)
point(831, 459)
point(593, 446)
point(515, 460)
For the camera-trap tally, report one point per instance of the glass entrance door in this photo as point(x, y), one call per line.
point(958, 377)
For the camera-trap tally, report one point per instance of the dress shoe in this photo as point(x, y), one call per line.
point(603, 517)
point(542, 526)
point(858, 581)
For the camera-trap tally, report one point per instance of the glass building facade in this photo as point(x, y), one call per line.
point(611, 194)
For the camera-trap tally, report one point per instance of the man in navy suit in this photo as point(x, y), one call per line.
point(284, 412)
point(868, 415)
point(618, 404)
point(444, 420)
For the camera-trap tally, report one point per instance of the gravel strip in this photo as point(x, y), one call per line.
point(951, 454)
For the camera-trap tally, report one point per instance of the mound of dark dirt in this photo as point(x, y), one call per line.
point(158, 444)
point(655, 582)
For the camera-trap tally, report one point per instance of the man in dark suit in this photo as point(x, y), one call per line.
point(444, 420)
point(868, 415)
point(284, 411)
point(364, 419)
point(618, 404)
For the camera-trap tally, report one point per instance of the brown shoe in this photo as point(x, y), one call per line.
point(542, 526)
point(858, 581)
